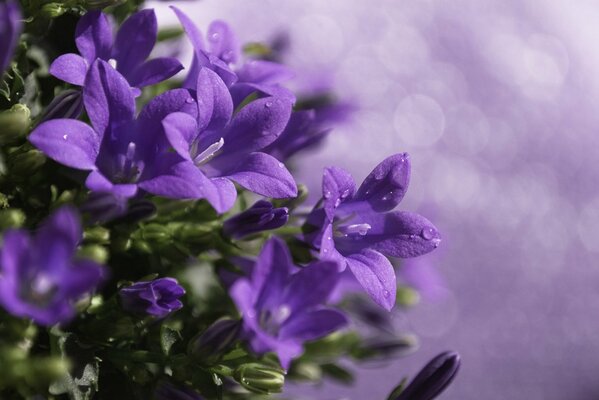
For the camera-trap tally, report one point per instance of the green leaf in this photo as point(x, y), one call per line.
point(337, 373)
point(168, 337)
point(398, 389)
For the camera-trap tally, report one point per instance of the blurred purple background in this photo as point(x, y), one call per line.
point(498, 104)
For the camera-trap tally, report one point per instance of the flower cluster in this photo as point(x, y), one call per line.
point(149, 257)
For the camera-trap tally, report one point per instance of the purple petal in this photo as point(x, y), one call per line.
point(215, 105)
point(337, 186)
point(70, 68)
point(93, 36)
point(257, 125)
point(270, 273)
point(387, 184)
point(180, 129)
point(265, 175)
point(222, 41)
point(311, 286)
point(154, 71)
point(398, 234)
point(64, 222)
point(176, 100)
point(264, 72)
point(192, 31)
point(135, 41)
point(67, 141)
point(313, 324)
point(84, 276)
point(99, 183)
point(10, 30)
point(15, 250)
point(107, 97)
point(376, 275)
point(225, 196)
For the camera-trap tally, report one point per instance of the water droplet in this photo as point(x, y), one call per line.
point(189, 100)
point(214, 37)
point(355, 230)
point(65, 137)
point(325, 251)
point(427, 233)
point(268, 104)
point(251, 314)
point(436, 242)
point(337, 202)
point(265, 132)
point(345, 194)
point(386, 293)
point(281, 165)
point(112, 63)
point(327, 195)
point(384, 198)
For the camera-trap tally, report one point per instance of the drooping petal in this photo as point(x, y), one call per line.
point(256, 125)
point(215, 106)
point(67, 141)
point(311, 286)
point(387, 184)
point(180, 130)
point(337, 186)
point(107, 97)
point(135, 41)
point(93, 36)
point(265, 175)
point(10, 30)
point(398, 234)
point(222, 41)
point(70, 68)
point(264, 72)
point(313, 324)
point(376, 275)
point(154, 71)
point(99, 183)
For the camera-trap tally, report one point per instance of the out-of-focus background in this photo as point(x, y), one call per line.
point(498, 104)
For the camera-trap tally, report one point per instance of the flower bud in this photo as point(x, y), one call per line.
point(94, 252)
point(15, 123)
point(260, 378)
point(97, 234)
point(433, 379)
point(24, 164)
point(259, 217)
point(53, 10)
point(68, 104)
point(157, 298)
point(210, 345)
point(11, 218)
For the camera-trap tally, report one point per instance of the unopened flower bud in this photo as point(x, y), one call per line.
point(53, 10)
point(260, 378)
point(94, 252)
point(68, 104)
point(11, 218)
point(210, 345)
point(433, 379)
point(15, 123)
point(260, 217)
point(24, 164)
point(158, 298)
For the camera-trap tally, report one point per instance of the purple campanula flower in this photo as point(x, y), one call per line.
point(222, 148)
point(158, 298)
point(167, 391)
point(260, 217)
point(282, 305)
point(123, 154)
point(39, 278)
point(433, 379)
point(10, 30)
point(358, 228)
point(127, 52)
point(223, 56)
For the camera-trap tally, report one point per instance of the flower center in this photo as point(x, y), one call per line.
point(271, 320)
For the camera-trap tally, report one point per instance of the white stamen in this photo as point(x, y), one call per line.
point(209, 152)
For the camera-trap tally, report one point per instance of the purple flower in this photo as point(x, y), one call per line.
point(122, 153)
point(223, 56)
point(158, 298)
point(358, 228)
point(281, 305)
point(220, 148)
point(260, 217)
point(10, 30)
point(39, 278)
point(127, 52)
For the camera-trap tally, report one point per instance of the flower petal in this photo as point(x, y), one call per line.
point(264, 72)
point(99, 183)
point(376, 275)
point(191, 30)
point(154, 71)
point(70, 68)
point(270, 273)
point(311, 286)
point(387, 184)
point(68, 142)
point(15, 250)
point(11, 23)
point(313, 324)
point(222, 41)
point(107, 97)
point(215, 105)
point(180, 129)
point(265, 175)
point(135, 41)
point(93, 36)
point(63, 222)
point(84, 276)
point(337, 186)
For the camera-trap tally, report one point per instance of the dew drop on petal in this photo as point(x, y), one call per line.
point(427, 233)
point(327, 195)
point(189, 100)
point(386, 293)
point(268, 104)
point(65, 137)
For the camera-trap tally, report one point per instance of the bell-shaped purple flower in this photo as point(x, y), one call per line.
point(124, 154)
point(223, 148)
point(39, 276)
point(157, 298)
point(127, 52)
point(358, 228)
point(222, 55)
point(10, 29)
point(260, 217)
point(282, 305)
